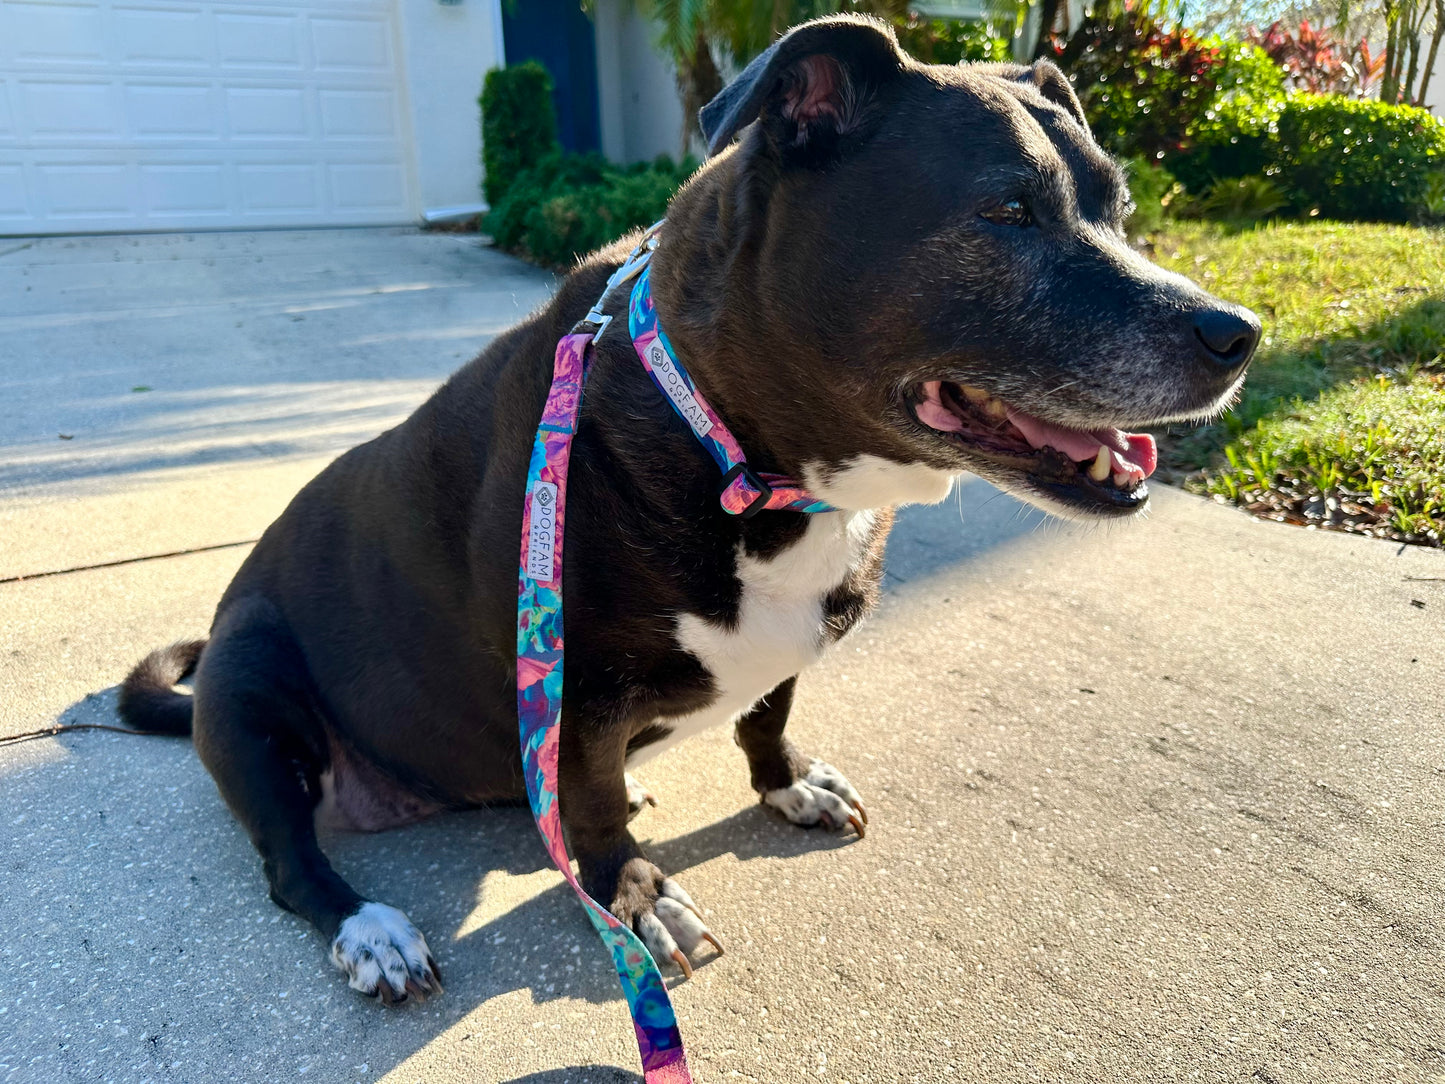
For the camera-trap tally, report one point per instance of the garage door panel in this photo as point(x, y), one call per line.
point(14, 201)
point(267, 113)
point(351, 45)
point(90, 190)
point(187, 113)
point(69, 111)
point(361, 186)
point(185, 190)
point(358, 115)
point(259, 41)
point(150, 37)
point(167, 111)
point(280, 187)
point(54, 34)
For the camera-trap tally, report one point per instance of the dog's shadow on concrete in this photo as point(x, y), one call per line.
point(122, 864)
point(540, 941)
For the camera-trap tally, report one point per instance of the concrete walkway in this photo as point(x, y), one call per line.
point(1163, 802)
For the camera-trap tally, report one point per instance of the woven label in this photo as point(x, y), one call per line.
point(676, 388)
point(542, 532)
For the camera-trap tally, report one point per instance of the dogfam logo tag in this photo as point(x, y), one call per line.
point(674, 384)
point(542, 533)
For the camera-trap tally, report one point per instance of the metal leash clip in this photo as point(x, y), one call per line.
point(636, 260)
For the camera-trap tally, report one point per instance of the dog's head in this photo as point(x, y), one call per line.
point(909, 271)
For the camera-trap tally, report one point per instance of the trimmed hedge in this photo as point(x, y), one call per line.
point(1329, 155)
point(519, 126)
point(1345, 158)
point(568, 205)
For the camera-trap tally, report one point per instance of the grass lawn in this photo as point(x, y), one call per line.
point(1342, 422)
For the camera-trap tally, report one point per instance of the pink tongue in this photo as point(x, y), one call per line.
point(1133, 453)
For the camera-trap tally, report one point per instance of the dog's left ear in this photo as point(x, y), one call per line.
point(1054, 85)
point(812, 82)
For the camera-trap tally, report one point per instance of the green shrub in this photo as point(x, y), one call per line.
point(1232, 137)
point(1327, 154)
point(519, 127)
point(1344, 158)
point(1150, 185)
point(949, 41)
point(570, 204)
point(1141, 82)
point(1241, 201)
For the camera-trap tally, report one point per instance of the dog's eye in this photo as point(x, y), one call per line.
point(1012, 212)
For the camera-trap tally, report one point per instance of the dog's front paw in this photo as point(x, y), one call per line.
point(385, 956)
point(661, 913)
point(823, 796)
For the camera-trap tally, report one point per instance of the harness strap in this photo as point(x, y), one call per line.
point(744, 492)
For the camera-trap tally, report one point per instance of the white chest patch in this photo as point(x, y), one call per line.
point(780, 626)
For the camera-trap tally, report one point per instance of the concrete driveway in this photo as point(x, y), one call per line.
point(1162, 802)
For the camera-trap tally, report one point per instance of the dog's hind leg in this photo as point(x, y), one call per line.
point(804, 789)
point(258, 733)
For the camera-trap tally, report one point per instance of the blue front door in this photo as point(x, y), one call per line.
point(559, 36)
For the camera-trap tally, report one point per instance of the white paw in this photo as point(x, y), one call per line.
point(638, 796)
point(674, 928)
point(384, 955)
point(823, 796)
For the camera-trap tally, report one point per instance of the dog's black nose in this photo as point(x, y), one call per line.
point(1227, 338)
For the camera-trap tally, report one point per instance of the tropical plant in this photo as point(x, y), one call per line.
point(1142, 81)
point(1312, 58)
point(690, 30)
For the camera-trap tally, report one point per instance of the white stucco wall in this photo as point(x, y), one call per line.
point(446, 49)
point(640, 111)
point(1435, 98)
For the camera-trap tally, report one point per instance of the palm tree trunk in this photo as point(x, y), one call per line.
point(698, 82)
point(1434, 54)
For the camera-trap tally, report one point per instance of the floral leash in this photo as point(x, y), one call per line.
point(539, 613)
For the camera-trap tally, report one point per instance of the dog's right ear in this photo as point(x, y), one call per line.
point(813, 83)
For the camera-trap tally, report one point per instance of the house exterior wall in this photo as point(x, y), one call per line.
point(447, 49)
point(640, 108)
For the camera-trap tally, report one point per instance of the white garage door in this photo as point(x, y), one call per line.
point(162, 114)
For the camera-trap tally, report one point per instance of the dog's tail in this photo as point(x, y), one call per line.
point(148, 699)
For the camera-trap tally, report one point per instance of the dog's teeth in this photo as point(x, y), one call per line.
point(1101, 466)
point(976, 396)
point(995, 408)
point(1122, 479)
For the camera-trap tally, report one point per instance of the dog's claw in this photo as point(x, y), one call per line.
point(822, 797)
point(384, 956)
point(674, 928)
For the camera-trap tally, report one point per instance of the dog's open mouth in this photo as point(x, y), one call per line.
point(1101, 469)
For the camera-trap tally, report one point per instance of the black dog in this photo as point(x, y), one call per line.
point(900, 272)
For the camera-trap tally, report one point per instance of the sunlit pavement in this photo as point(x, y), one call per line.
point(1155, 802)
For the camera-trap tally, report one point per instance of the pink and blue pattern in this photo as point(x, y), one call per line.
point(740, 496)
point(539, 709)
point(539, 615)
